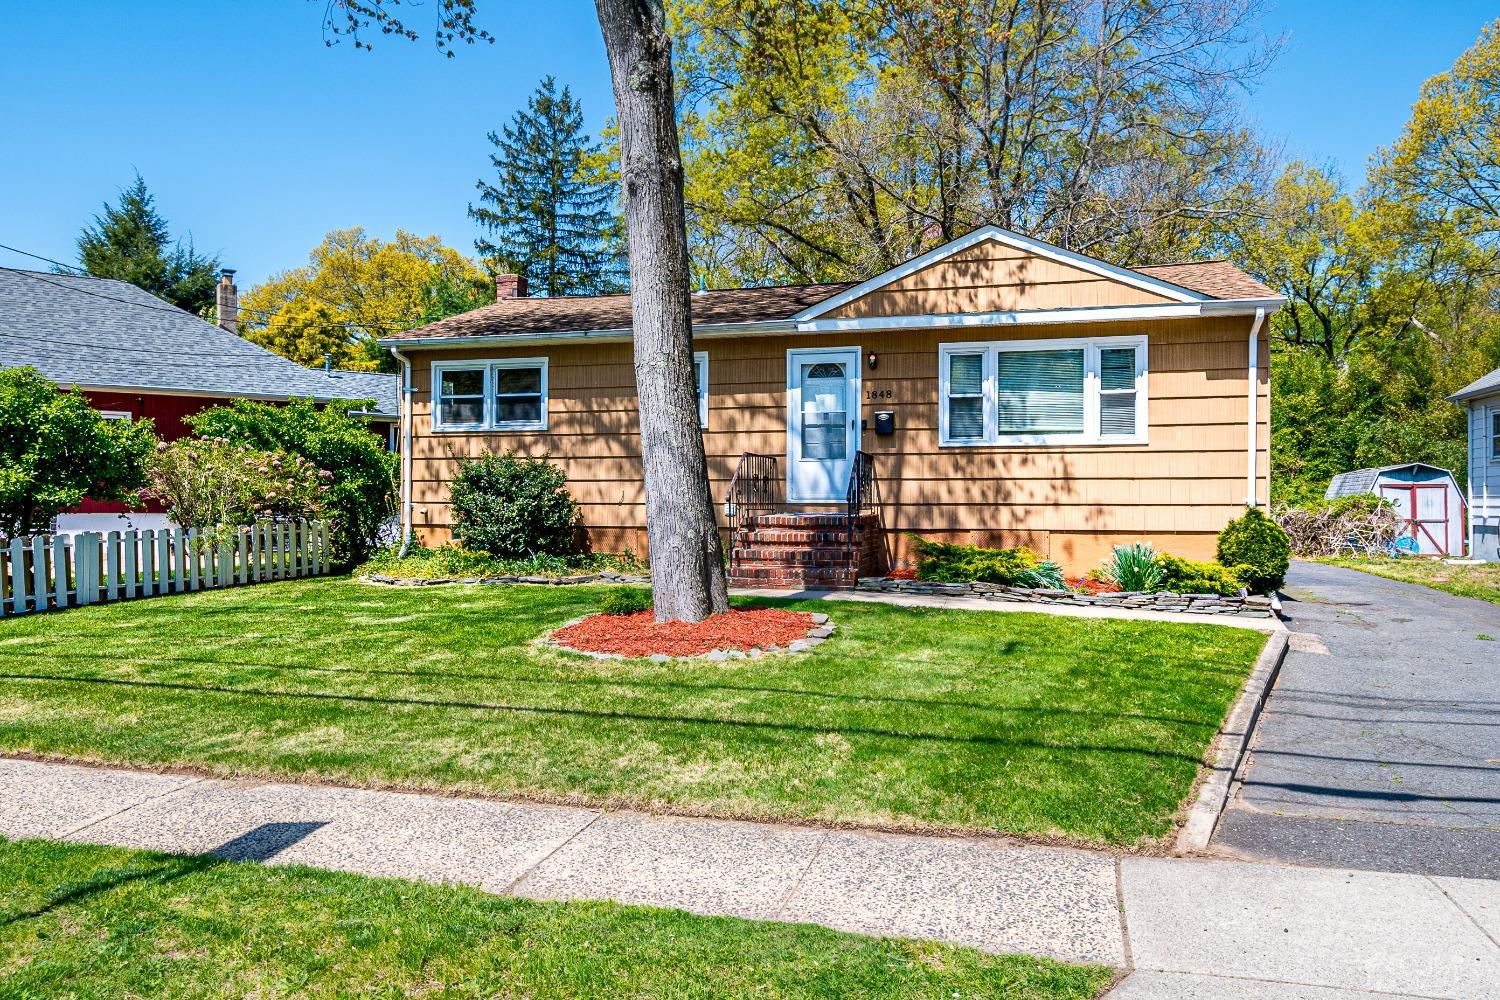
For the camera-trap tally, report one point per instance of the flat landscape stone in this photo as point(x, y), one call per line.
point(699, 865)
point(52, 800)
point(481, 843)
point(993, 897)
point(1319, 927)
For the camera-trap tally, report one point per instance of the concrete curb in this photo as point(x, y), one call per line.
point(1230, 747)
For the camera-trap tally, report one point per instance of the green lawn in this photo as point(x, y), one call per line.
point(1043, 726)
point(1482, 581)
point(93, 922)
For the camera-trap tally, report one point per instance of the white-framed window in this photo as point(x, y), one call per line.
point(1495, 434)
point(503, 395)
point(700, 380)
point(124, 415)
point(1043, 392)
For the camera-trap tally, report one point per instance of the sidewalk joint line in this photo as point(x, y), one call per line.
point(510, 889)
point(1120, 905)
point(796, 886)
point(1462, 909)
point(134, 805)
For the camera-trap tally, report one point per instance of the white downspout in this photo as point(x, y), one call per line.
point(406, 394)
point(1252, 436)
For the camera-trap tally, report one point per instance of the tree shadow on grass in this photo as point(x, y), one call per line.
point(259, 844)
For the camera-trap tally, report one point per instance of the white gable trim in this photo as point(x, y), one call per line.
point(1017, 241)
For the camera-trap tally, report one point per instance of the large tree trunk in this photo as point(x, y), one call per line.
point(687, 559)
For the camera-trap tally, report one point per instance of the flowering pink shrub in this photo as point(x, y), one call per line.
point(212, 483)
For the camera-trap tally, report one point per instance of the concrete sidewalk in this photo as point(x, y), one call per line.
point(1189, 928)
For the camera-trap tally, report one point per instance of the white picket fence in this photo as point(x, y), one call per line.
point(49, 572)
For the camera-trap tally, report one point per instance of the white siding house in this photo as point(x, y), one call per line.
point(1483, 401)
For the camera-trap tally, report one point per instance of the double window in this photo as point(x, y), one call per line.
point(508, 395)
point(1036, 392)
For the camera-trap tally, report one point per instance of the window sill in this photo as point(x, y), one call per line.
point(1049, 441)
point(486, 429)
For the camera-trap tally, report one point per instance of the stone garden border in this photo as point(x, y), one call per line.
point(405, 581)
point(822, 629)
point(1248, 606)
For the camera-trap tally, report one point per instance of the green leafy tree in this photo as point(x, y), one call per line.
point(132, 242)
point(56, 451)
point(550, 214)
point(361, 494)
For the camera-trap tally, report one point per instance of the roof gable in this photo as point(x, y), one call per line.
point(994, 270)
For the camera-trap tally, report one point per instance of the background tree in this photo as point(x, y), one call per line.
point(832, 139)
point(356, 289)
point(132, 242)
point(549, 215)
point(56, 451)
point(687, 558)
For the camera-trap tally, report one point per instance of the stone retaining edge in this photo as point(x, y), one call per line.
point(556, 581)
point(1231, 747)
point(1250, 606)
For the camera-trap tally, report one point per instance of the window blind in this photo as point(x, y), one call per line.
point(1040, 392)
point(966, 396)
point(1117, 391)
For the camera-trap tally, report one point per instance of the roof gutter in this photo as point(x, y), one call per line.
point(1106, 314)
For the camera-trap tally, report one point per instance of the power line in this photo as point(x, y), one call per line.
point(37, 256)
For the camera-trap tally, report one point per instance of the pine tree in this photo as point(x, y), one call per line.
point(132, 242)
point(550, 216)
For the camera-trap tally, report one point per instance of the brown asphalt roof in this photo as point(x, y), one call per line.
point(1217, 278)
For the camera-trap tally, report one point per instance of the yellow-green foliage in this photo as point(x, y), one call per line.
point(1018, 567)
point(1184, 576)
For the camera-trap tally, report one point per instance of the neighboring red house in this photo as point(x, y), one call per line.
point(137, 357)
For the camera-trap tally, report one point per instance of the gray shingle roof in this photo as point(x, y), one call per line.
point(1482, 386)
point(107, 334)
point(1360, 481)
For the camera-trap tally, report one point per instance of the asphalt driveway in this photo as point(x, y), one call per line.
point(1380, 745)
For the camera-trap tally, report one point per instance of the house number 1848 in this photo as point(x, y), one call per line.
point(880, 394)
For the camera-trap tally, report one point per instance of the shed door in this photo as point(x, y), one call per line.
point(1425, 507)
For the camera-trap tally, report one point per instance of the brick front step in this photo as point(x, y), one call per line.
point(794, 556)
point(782, 578)
point(786, 536)
point(808, 521)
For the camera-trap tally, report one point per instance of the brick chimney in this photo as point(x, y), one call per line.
point(227, 301)
point(510, 286)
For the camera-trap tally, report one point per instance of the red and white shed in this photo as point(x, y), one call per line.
point(1427, 496)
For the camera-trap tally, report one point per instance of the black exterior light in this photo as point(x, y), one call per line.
point(873, 361)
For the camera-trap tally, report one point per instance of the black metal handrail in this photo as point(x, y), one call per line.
point(863, 494)
point(755, 488)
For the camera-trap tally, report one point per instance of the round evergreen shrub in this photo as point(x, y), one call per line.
point(625, 601)
point(513, 507)
point(1259, 548)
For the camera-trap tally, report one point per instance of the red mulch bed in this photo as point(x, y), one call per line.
point(640, 635)
point(1094, 587)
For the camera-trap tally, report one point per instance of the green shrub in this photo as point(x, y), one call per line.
point(214, 483)
point(1258, 543)
point(1019, 567)
point(1134, 567)
point(1184, 576)
point(510, 506)
point(56, 450)
point(625, 601)
point(451, 562)
point(361, 496)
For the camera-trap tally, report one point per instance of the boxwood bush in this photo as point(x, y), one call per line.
point(1184, 576)
point(1259, 543)
point(512, 507)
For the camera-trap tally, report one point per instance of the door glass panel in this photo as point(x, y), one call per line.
point(825, 412)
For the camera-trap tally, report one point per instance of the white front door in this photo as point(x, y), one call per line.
point(822, 427)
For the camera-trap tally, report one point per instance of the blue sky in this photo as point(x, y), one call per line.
point(257, 139)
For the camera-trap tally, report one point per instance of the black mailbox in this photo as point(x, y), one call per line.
point(885, 422)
